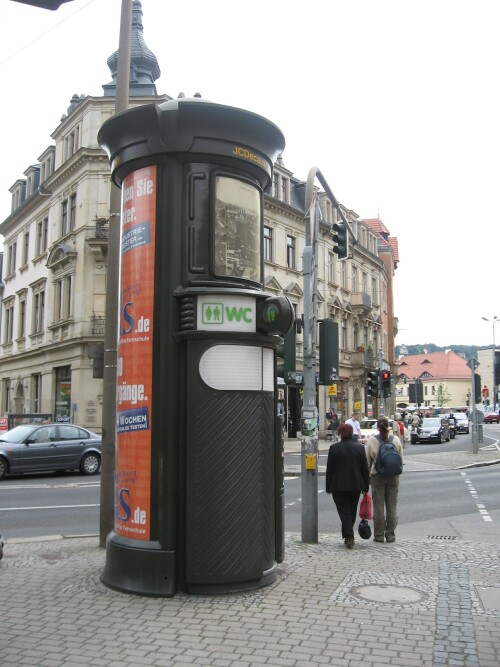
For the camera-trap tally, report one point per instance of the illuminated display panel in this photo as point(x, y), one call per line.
point(237, 229)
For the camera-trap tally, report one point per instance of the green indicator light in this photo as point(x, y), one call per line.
point(270, 314)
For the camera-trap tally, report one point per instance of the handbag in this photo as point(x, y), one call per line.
point(364, 530)
point(365, 507)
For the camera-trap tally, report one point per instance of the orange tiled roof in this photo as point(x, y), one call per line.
point(440, 365)
point(378, 226)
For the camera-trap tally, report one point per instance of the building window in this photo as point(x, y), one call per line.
point(354, 280)
point(68, 215)
point(6, 395)
point(268, 244)
point(63, 394)
point(36, 392)
point(276, 180)
point(72, 213)
point(8, 332)
point(64, 217)
point(374, 290)
point(22, 318)
point(42, 231)
point(355, 337)
point(364, 283)
point(71, 143)
point(331, 267)
point(38, 311)
point(284, 189)
point(343, 274)
point(62, 306)
point(11, 258)
point(26, 247)
point(290, 252)
point(344, 334)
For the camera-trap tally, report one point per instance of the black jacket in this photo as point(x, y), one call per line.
point(347, 467)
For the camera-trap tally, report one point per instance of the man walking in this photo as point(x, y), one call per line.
point(356, 427)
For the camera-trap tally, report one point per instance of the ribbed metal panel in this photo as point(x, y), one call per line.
point(230, 487)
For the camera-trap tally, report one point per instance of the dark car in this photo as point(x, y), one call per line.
point(430, 429)
point(492, 418)
point(48, 447)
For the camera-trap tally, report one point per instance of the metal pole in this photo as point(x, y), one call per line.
point(381, 411)
point(111, 328)
point(495, 320)
point(309, 413)
point(475, 447)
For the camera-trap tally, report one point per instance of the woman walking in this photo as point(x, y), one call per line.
point(385, 487)
point(346, 477)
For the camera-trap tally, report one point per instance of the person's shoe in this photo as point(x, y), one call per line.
point(390, 539)
point(377, 539)
point(350, 542)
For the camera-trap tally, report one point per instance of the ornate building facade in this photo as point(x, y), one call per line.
point(54, 271)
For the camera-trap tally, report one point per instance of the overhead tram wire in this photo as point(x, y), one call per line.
point(37, 39)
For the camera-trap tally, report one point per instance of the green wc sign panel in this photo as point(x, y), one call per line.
point(220, 312)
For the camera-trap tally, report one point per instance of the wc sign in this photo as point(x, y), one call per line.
point(218, 312)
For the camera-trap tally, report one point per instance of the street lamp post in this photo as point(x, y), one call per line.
point(494, 320)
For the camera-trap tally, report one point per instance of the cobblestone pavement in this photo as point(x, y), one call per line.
point(421, 603)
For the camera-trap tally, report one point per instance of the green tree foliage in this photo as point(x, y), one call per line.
point(467, 351)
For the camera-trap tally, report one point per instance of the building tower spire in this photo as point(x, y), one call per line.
point(144, 68)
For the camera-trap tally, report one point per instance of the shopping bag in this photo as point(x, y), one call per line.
point(365, 507)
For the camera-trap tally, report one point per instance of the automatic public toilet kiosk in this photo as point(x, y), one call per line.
point(199, 470)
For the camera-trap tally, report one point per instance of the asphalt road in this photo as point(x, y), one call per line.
point(34, 506)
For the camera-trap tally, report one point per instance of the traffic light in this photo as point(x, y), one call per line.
point(477, 387)
point(275, 315)
point(286, 357)
point(372, 384)
point(386, 384)
point(328, 352)
point(341, 239)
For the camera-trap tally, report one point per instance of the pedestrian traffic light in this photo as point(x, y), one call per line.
point(386, 384)
point(275, 315)
point(286, 355)
point(328, 352)
point(341, 239)
point(372, 384)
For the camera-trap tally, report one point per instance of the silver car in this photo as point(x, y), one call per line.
point(48, 447)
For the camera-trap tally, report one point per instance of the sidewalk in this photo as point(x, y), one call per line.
point(416, 603)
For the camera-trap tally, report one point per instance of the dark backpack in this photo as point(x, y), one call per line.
point(388, 462)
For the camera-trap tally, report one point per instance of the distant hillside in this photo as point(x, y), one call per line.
point(467, 351)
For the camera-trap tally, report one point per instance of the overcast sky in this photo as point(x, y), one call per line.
point(396, 101)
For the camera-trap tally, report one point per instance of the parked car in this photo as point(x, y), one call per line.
point(492, 418)
point(462, 422)
point(431, 428)
point(48, 447)
point(369, 427)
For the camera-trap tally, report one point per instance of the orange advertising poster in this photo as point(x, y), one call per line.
point(135, 356)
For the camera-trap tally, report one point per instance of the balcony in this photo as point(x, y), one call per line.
point(97, 324)
point(361, 303)
point(97, 238)
point(364, 359)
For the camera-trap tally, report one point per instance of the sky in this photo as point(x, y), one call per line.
point(397, 102)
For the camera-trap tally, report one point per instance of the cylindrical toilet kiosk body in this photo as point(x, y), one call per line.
point(199, 470)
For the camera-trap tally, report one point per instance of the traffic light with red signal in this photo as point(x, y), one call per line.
point(386, 383)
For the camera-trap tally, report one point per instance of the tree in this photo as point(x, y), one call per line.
point(443, 395)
